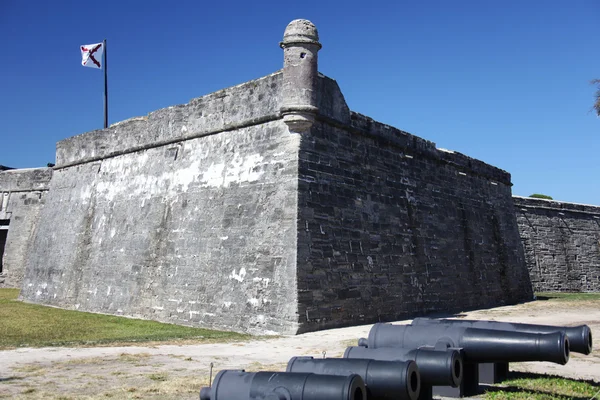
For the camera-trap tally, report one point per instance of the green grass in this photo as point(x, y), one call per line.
point(538, 387)
point(563, 296)
point(158, 377)
point(9, 294)
point(32, 325)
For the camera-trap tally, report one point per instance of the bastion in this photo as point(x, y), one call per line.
point(270, 207)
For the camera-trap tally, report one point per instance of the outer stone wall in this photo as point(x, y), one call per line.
point(199, 231)
point(392, 227)
point(562, 244)
point(22, 196)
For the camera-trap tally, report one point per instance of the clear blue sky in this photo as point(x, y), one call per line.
point(506, 82)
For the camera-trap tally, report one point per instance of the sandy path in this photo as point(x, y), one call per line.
point(165, 370)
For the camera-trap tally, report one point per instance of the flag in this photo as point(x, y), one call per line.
point(91, 55)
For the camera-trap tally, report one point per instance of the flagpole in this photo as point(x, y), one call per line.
point(105, 88)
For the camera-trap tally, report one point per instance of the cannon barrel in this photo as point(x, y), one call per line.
point(479, 345)
point(384, 380)
point(241, 385)
point(580, 337)
point(439, 368)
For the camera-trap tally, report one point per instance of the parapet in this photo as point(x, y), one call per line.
point(26, 179)
point(554, 205)
point(247, 104)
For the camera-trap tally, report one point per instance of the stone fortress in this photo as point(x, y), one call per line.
point(270, 207)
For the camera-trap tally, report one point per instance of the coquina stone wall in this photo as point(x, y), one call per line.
point(391, 227)
point(562, 244)
point(270, 207)
point(22, 196)
point(186, 216)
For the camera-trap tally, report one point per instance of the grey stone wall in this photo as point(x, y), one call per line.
point(199, 231)
point(22, 196)
point(562, 244)
point(391, 227)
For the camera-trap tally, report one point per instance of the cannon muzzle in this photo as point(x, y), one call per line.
point(580, 337)
point(238, 385)
point(479, 345)
point(437, 368)
point(384, 380)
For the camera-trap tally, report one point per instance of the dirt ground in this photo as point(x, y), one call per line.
point(179, 371)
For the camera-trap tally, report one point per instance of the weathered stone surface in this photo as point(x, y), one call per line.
point(391, 227)
point(300, 75)
point(562, 244)
point(22, 196)
point(232, 108)
point(202, 232)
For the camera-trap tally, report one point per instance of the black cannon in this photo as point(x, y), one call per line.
point(437, 368)
point(580, 340)
point(440, 368)
point(240, 385)
point(479, 345)
point(384, 380)
point(580, 337)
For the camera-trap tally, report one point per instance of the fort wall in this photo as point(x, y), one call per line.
point(197, 231)
point(561, 243)
point(22, 196)
point(391, 227)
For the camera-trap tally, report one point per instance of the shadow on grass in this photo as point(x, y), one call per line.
point(528, 393)
point(507, 387)
point(531, 375)
point(10, 378)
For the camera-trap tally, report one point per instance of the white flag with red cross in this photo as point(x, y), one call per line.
point(91, 55)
